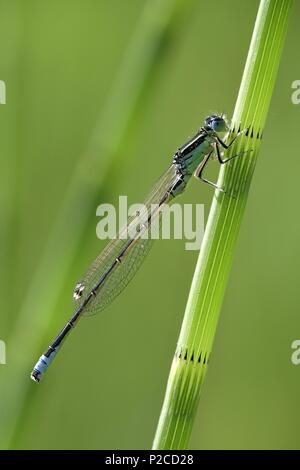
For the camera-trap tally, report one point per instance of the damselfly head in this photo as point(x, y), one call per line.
point(217, 123)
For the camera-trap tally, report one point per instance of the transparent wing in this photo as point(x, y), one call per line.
point(132, 249)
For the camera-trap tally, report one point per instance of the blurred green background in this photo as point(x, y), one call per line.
point(99, 96)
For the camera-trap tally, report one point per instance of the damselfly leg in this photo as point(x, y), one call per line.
point(199, 173)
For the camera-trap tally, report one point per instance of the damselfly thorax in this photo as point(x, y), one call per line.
point(116, 265)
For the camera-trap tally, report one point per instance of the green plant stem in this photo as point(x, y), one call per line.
point(201, 316)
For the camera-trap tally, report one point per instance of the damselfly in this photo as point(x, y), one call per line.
point(119, 261)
